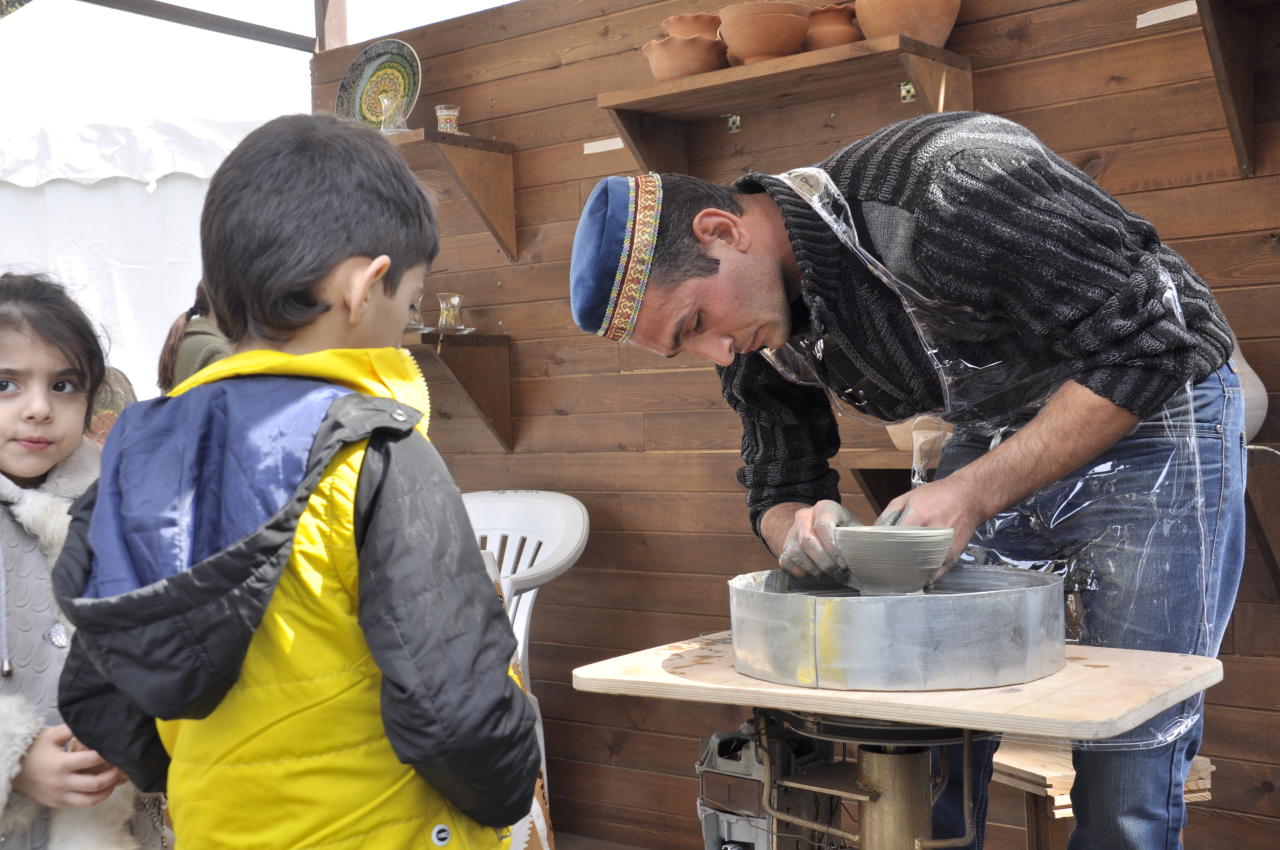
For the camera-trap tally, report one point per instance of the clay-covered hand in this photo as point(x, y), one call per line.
point(54, 777)
point(810, 545)
point(939, 504)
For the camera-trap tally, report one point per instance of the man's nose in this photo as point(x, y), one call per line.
point(718, 349)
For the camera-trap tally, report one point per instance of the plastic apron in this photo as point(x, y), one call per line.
point(1123, 564)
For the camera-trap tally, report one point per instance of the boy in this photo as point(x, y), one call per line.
point(275, 564)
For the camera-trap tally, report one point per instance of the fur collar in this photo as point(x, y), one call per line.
point(43, 511)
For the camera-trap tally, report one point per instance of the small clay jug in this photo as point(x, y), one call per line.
point(682, 56)
point(831, 25)
point(929, 21)
point(702, 23)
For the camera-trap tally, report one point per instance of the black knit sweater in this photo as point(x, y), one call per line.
point(1049, 275)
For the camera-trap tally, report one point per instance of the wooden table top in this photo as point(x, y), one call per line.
point(1098, 694)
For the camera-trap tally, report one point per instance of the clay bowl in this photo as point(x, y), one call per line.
point(831, 25)
point(757, 38)
point(682, 56)
point(702, 23)
point(884, 560)
point(929, 21)
point(742, 10)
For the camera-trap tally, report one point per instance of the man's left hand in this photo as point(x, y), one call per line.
point(946, 503)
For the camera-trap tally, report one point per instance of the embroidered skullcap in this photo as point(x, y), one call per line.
point(612, 252)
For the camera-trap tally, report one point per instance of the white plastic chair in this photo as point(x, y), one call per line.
point(534, 535)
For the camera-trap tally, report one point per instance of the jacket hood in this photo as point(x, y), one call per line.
point(181, 542)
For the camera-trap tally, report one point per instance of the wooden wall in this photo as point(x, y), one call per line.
point(649, 445)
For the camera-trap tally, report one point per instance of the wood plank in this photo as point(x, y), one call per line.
point(1256, 584)
point(654, 792)
point(583, 354)
point(635, 590)
point(1212, 208)
point(1210, 829)
point(627, 392)
point(670, 754)
point(1185, 108)
point(1178, 57)
point(1250, 310)
point(555, 662)
point(1098, 694)
point(719, 554)
point(1244, 734)
point(634, 826)
point(1256, 630)
point(621, 630)
point(1062, 28)
point(556, 163)
point(668, 717)
point(722, 429)
point(701, 513)
point(1246, 787)
point(1236, 259)
point(609, 471)
point(583, 433)
point(486, 287)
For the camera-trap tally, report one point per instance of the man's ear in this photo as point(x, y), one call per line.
point(712, 225)
point(358, 286)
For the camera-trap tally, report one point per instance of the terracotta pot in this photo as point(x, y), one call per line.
point(741, 10)
point(703, 23)
point(831, 25)
point(680, 56)
point(929, 21)
point(757, 38)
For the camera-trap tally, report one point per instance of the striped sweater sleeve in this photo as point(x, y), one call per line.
point(1012, 230)
point(788, 433)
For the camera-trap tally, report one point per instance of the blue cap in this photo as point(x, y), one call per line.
point(612, 253)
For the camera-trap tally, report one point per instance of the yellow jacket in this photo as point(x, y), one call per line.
point(370, 706)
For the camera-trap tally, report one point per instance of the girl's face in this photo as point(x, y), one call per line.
point(42, 407)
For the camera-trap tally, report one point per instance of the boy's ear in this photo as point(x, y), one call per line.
point(712, 225)
point(359, 283)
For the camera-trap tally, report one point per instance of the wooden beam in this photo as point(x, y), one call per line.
point(1229, 36)
point(213, 23)
point(331, 24)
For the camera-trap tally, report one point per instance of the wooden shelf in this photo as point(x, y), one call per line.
point(480, 366)
point(1229, 32)
point(654, 121)
point(480, 169)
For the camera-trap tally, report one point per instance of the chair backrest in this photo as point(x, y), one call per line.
point(535, 535)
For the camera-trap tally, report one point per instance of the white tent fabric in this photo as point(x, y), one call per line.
point(106, 147)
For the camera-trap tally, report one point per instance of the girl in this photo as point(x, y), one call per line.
point(194, 341)
point(52, 796)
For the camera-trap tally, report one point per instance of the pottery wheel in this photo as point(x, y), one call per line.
point(975, 628)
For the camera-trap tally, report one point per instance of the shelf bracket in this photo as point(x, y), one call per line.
point(944, 87)
point(1229, 36)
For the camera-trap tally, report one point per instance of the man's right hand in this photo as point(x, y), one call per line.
point(54, 777)
point(809, 547)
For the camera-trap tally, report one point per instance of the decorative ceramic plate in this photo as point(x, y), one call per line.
point(387, 67)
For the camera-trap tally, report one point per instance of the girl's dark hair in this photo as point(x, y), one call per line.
point(43, 305)
point(297, 196)
point(678, 256)
point(169, 351)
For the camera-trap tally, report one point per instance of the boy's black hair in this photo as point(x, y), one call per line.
point(38, 302)
point(297, 196)
point(678, 256)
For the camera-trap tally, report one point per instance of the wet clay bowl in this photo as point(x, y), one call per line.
point(742, 10)
point(831, 25)
point(757, 38)
point(886, 560)
point(701, 23)
point(682, 56)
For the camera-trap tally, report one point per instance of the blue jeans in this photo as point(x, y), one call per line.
point(1166, 586)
